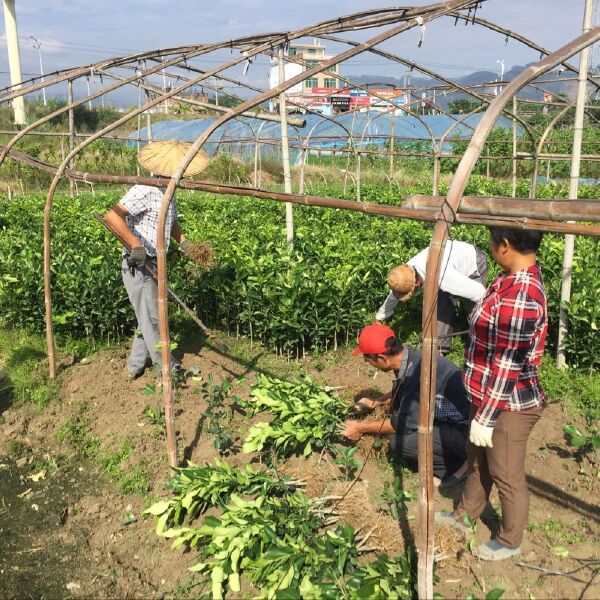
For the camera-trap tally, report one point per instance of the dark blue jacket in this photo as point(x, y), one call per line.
point(405, 393)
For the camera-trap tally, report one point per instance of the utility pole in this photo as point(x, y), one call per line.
point(14, 60)
point(38, 45)
point(565, 290)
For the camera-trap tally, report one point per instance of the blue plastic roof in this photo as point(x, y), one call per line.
point(236, 137)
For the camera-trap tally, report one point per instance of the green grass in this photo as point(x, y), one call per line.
point(131, 480)
point(578, 390)
point(24, 377)
point(77, 433)
point(556, 532)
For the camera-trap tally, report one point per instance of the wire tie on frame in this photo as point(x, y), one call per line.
point(421, 25)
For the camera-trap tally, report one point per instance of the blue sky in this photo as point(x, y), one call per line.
point(75, 32)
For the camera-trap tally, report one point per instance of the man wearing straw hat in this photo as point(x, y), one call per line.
point(135, 220)
point(463, 274)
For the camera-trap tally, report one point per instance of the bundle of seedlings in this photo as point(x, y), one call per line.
point(284, 543)
point(198, 488)
point(304, 417)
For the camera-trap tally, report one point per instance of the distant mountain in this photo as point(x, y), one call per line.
point(552, 82)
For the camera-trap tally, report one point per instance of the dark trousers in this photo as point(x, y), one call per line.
point(503, 465)
point(449, 448)
point(446, 305)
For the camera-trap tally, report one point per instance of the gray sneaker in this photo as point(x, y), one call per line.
point(494, 550)
point(447, 518)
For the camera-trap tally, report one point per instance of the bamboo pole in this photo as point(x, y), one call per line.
point(552, 210)
point(429, 365)
point(514, 148)
point(420, 208)
point(285, 151)
point(392, 142)
point(71, 134)
point(569, 251)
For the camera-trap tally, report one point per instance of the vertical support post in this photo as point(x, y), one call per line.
point(565, 290)
point(285, 152)
point(392, 143)
point(149, 121)
point(71, 135)
point(301, 176)
point(14, 60)
point(534, 176)
point(514, 147)
point(358, 174)
point(437, 167)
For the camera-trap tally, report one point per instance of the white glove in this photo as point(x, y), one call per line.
point(480, 435)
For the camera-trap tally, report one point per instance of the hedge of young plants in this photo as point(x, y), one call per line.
point(313, 297)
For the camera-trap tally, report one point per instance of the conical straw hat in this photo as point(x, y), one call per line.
point(402, 280)
point(163, 158)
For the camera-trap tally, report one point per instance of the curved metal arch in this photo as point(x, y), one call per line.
point(435, 75)
point(435, 11)
point(75, 104)
point(307, 137)
point(518, 37)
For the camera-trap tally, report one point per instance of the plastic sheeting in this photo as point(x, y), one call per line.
point(371, 128)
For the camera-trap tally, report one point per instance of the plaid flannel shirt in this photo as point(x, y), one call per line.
point(142, 202)
point(507, 327)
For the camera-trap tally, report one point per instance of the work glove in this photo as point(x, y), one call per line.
point(480, 435)
point(137, 256)
point(184, 247)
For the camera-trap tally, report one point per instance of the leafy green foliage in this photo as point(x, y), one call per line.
point(304, 416)
point(585, 444)
point(493, 594)
point(312, 298)
point(199, 488)
point(219, 412)
point(396, 497)
point(463, 105)
point(384, 578)
point(272, 534)
point(344, 457)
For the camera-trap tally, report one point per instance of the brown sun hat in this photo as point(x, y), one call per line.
point(403, 282)
point(164, 157)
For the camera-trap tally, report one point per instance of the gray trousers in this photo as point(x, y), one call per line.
point(143, 295)
point(446, 305)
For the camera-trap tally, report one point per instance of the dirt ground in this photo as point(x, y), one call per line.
point(121, 559)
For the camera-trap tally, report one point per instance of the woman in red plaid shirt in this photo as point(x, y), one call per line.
point(507, 329)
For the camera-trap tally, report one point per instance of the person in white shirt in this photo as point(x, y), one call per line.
point(463, 274)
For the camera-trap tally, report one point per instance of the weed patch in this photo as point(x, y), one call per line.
point(77, 433)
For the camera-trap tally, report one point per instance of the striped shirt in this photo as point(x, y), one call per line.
point(142, 202)
point(507, 327)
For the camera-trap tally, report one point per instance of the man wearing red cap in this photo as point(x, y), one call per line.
point(383, 350)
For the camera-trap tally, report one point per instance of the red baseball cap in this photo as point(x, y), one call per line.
point(371, 339)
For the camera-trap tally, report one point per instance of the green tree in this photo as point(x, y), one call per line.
point(463, 105)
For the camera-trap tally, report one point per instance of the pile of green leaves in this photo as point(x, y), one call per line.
point(273, 535)
point(384, 578)
point(198, 488)
point(304, 416)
